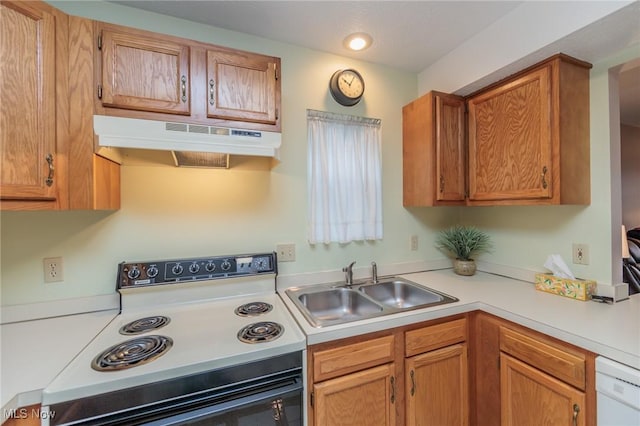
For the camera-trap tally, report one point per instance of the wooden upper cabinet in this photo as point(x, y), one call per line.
point(153, 76)
point(242, 86)
point(510, 140)
point(144, 71)
point(529, 137)
point(433, 150)
point(31, 126)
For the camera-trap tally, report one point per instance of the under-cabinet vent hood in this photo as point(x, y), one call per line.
point(118, 132)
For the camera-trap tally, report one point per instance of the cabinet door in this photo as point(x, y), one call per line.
point(437, 387)
point(533, 398)
point(28, 106)
point(433, 152)
point(144, 71)
point(450, 149)
point(510, 140)
point(365, 398)
point(242, 86)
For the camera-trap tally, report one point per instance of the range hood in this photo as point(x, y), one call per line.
point(184, 138)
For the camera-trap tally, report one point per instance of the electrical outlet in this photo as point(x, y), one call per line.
point(580, 254)
point(286, 252)
point(53, 270)
point(414, 242)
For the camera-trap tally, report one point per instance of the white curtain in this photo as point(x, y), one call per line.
point(344, 178)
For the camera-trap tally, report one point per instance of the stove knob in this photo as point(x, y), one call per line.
point(177, 269)
point(210, 266)
point(226, 265)
point(194, 268)
point(134, 273)
point(152, 271)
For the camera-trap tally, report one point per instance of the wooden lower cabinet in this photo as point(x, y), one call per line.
point(523, 377)
point(25, 416)
point(471, 369)
point(436, 387)
point(364, 398)
point(531, 397)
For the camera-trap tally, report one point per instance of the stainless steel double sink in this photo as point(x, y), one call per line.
point(331, 304)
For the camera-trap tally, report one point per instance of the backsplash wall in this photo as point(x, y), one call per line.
point(168, 212)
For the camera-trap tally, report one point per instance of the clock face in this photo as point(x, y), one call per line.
point(346, 87)
point(350, 84)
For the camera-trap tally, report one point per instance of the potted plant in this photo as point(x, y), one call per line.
point(462, 242)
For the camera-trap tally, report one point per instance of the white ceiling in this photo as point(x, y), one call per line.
point(407, 35)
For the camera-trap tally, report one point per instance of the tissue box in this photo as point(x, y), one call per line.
point(575, 289)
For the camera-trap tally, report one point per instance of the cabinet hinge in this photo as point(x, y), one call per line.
point(99, 91)
point(100, 41)
point(311, 399)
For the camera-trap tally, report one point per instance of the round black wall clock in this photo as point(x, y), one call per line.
point(346, 87)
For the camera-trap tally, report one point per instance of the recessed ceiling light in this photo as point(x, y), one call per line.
point(357, 41)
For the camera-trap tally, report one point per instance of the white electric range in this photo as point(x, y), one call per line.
point(198, 341)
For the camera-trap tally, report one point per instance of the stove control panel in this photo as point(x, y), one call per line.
point(137, 274)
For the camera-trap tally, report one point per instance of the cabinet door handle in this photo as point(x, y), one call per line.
point(441, 183)
point(184, 88)
point(211, 86)
point(544, 177)
point(393, 389)
point(576, 411)
point(413, 383)
point(49, 180)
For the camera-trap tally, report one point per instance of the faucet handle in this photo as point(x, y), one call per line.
point(374, 272)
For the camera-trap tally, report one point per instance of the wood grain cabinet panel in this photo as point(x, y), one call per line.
point(33, 106)
point(510, 140)
point(352, 357)
point(436, 387)
point(242, 86)
point(433, 150)
point(144, 71)
point(529, 137)
point(365, 398)
point(566, 365)
point(435, 336)
point(532, 398)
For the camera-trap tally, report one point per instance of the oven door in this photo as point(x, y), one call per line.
point(281, 406)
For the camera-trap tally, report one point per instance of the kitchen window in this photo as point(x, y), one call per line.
point(344, 178)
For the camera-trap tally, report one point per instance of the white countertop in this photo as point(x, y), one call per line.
point(34, 352)
point(609, 330)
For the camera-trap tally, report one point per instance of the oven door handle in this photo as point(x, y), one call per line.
point(229, 405)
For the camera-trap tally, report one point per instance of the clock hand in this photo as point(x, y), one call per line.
point(345, 80)
point(352, 78)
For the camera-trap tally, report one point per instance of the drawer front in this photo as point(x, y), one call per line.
point(564, 364)
point(352, 357)
point(435, 336)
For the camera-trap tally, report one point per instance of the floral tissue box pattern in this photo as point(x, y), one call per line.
point(574, 289)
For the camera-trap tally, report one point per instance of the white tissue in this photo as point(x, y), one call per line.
point(556, 265)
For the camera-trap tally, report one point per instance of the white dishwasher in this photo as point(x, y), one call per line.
point(618, 393)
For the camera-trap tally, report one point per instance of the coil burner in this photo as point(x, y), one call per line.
point(253, 309)
point(131, 353)
point(260, 332)
point(143, 325)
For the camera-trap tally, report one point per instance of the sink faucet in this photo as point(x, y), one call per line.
point(374, 272)
point(348, 274)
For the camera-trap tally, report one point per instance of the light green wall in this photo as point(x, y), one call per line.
point(170, 213)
